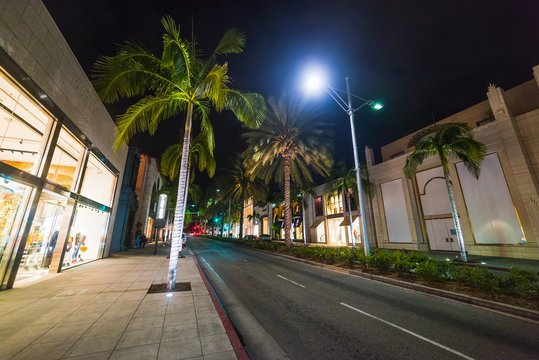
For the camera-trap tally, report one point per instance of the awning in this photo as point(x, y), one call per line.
point(315, 223)
point(346, 221)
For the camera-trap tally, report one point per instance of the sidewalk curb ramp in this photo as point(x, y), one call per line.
point(492, 305)
point(239, 350)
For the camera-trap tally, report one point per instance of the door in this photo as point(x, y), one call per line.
point(442, 235)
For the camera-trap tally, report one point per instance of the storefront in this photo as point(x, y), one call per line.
point(56, 188)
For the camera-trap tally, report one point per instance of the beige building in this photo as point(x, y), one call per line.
point(499, 212)
point(148, 182)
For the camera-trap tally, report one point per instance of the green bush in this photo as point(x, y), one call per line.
point(477, 278)
point(520, 283)
point(380, 260)
point(402, 263)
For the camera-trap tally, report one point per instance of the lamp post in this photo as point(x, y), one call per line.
point(315, 80)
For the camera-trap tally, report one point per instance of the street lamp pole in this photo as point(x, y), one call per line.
point(350, 111)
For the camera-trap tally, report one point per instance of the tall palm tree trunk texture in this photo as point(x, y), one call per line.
point(287, 212)
point(179, 213)
point(352, 237)
point(241, 220)
point(455, 214)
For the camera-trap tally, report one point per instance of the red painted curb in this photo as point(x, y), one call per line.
point(230, 331)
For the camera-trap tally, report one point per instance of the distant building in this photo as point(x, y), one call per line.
point(148, 182)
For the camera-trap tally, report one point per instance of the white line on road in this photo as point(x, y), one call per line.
point(293, 282)
point(410, 332)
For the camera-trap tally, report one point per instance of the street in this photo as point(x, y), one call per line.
point(313, 313)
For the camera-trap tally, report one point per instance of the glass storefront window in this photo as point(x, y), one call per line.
point(334, 204)
point(87, 236)
point(318, 207)
point(99, 182)
point(22, 125)
point(12, 198)
point(41, 241)
point(65, 159)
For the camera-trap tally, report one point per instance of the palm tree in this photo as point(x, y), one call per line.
point(447, 141)
point(239, 186)
point(172, 83)
point(344, 181)
point(286, 147)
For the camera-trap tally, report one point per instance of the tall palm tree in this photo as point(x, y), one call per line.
point(239, 186)
point(286, 147)
point(453, 140)
point(343, 180)
point(174, 82)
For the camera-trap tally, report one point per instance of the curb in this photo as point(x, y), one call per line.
point(237, 346)
point(492, 305)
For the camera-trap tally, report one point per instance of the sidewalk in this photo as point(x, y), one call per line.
point(101, 310)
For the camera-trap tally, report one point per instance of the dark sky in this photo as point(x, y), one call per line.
point(420, 58)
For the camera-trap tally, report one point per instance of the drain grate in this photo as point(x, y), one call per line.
point(162, 288)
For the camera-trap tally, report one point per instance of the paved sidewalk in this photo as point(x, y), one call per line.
point(492, 262)
point(101, 310)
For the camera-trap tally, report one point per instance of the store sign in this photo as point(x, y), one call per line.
point(160, 216)
point(162, 206)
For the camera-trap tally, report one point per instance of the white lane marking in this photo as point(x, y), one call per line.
point(410, 332)
point(292, 281)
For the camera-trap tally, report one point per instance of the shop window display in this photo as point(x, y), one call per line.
point(87, 236)
point(12, 198)
point(41, 241)
point(65, 159)
point(99, 182)
point(334, 204)
point(22, 125)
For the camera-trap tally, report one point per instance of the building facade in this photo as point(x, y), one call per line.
point(499, 212)
point(148, 182)
point(59, 174)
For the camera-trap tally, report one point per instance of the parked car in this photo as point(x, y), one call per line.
point(264, 237)
point(249, 237)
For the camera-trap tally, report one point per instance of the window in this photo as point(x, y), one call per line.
point(334, 204)
point(65, 159)
point(99, 182)
point(22, 125)
point(318, 207)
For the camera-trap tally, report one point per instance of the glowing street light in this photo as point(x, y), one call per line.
point(315, 81)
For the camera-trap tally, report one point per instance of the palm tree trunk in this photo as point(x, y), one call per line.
point(270, 221)
point(352, 237)
point(241, 220)
point(287, 212)
point(303, 219)
point(179, 213)
point(455, 215)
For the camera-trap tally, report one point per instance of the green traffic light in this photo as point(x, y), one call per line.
point(377, 106)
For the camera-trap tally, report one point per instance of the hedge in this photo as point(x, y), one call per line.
point(517, 282)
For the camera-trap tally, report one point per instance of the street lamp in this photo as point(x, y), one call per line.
point(315, 82)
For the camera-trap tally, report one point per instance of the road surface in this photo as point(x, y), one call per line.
point(313, 313)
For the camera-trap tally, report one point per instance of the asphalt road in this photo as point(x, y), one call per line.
point(313, 313)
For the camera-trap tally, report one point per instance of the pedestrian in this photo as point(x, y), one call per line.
point(144, 240)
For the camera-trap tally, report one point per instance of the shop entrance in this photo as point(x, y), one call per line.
point(43, 235)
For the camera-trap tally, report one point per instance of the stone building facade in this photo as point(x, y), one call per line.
point(499, 213)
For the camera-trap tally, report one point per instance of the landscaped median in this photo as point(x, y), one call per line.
point(516, 287)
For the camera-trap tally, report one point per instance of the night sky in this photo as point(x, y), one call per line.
point(423, 59)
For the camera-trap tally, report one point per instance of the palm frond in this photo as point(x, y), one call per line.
point(144, 115)
point(249, 108)
point(232, 42)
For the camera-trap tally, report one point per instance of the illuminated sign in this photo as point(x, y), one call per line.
point(162, 206)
